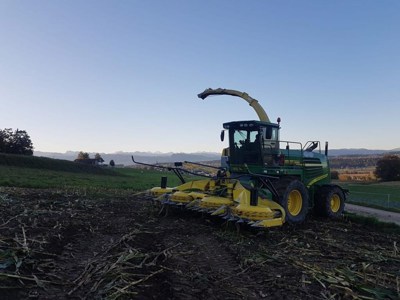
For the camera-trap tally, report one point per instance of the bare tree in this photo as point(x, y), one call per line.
point(83, 155)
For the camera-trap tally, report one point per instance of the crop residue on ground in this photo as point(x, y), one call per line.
point(60, 244)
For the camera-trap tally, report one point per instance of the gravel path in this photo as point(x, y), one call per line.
point(381, 215)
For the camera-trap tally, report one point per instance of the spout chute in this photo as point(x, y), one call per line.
point(262, 115)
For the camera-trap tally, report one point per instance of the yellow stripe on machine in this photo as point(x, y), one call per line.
point(316, 179)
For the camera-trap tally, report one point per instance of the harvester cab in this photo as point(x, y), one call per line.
point(253, 143)
point(260, 182)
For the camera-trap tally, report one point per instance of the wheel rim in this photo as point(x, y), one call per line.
point(335, 203)
point(295, 202)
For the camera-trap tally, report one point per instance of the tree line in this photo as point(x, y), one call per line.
point(85, 158)
point(15, 142)
point(388, 168)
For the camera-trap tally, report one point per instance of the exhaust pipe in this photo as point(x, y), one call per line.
point(326, 148)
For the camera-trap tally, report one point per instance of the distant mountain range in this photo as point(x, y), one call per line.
point(124, 158)
point(360, 151)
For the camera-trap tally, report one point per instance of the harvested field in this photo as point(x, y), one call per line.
point(60, 245)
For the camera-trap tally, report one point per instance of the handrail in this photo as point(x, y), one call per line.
point(287, 154)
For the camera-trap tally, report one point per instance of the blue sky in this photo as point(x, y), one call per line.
point(106, 76)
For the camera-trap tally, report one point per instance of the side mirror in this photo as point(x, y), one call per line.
point(222, 135)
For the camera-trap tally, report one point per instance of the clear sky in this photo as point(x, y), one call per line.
point(106, 76)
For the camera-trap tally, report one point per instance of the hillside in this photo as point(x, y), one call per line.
point(33, 162)
point(40, 172)
point(358, 151)
point(356, 161)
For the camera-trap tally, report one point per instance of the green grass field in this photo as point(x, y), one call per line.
point(392, 188)
point(39, 172)
point(380, 194)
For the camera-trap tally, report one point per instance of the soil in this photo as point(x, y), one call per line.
point(62, 245)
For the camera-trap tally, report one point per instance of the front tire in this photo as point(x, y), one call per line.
point(294, 199)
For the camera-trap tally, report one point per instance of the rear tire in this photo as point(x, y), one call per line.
point(330, 202)
point(293, 197)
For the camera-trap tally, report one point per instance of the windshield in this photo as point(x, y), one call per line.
point(245, 146)
point(243, 138)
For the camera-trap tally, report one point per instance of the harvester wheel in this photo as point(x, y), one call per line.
point(294, 199)
point(330, 202)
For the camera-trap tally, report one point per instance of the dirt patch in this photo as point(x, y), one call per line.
point(59, 245)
